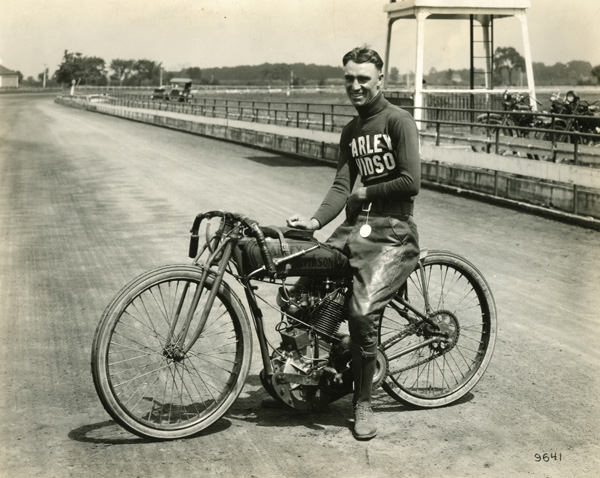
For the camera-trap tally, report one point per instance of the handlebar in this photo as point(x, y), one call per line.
point(250, 225)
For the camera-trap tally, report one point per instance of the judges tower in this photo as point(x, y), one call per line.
point(481, 15)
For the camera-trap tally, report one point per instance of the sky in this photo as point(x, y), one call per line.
point(214, 33)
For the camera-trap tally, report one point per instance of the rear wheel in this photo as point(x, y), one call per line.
point(151, 385)
point(460, 343)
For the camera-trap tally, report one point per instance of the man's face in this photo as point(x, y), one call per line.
point(363, 82)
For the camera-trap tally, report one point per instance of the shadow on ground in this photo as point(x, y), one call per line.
point(110, 433)
point(283, 161)
point(258, 407)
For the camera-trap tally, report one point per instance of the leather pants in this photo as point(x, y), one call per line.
point(381, 263)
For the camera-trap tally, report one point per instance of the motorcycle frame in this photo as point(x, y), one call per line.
point(225, 248)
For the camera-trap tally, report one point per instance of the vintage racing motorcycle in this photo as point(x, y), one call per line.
point(173, 349)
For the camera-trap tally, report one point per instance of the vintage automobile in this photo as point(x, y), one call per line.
point(181, 90)
point(159, 93)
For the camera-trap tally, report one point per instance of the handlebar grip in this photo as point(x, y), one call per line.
point(193, 250)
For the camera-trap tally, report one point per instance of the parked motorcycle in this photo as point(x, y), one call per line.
point(172, 350)
point(587, 118)
point(517, 109)
point(570, 114)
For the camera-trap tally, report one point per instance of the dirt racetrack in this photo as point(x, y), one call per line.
point(88, 201)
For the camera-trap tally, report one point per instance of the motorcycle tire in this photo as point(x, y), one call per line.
point(150, 387)
point(459, 301)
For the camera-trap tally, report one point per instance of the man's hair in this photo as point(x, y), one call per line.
point(363, 54)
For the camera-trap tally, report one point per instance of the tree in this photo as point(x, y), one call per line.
point(122, 70)
point(194, 72)
point(596, 72)
point(394, 75)
point(508, 59)
point(29, 81)
point(83, 69)
point(579, 71)
point(276, 72)
point(69, 69)
point(146, 72)
point(94, 71)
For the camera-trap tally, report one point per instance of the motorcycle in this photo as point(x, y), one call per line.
point(570, 114)
point(587, 119)
point(172, 350)
point(516, 113)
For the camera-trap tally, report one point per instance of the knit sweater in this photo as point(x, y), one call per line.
point(381, 145)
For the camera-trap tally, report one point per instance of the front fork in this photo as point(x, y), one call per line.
point(177, 346)
point(177, 341)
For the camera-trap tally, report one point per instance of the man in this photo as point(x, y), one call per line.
point(379, 236)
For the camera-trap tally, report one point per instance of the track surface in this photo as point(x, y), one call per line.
point(88, 201)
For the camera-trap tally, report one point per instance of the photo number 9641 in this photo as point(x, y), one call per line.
point(547, 457)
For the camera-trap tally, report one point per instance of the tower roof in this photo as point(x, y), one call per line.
point(455, 9)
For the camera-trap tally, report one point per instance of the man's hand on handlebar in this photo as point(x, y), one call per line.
point(300, 222)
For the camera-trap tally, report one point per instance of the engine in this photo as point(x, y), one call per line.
point(308, 373)
point(319, 304)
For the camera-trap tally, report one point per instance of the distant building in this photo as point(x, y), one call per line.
point(8, 78)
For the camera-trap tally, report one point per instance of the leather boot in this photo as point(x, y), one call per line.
point(365, 427)
point(363, 369)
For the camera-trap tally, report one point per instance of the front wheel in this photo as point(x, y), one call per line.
point(437, 361)
point(145, 380)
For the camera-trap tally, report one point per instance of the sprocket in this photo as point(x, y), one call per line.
point(447, 327)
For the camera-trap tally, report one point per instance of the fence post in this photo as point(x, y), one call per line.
point(575, 148)
point(495, 182)
point(332, 117)
point(472, 104)
point(575, 201)
point(307, 115)
point(497, 147)
point(437, 133)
